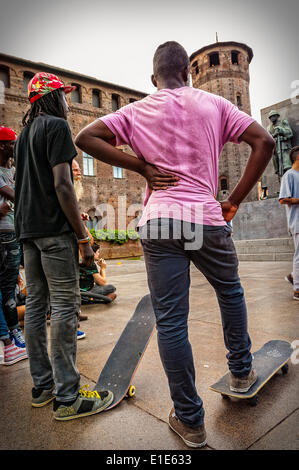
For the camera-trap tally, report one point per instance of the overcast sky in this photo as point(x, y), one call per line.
point(115, 40)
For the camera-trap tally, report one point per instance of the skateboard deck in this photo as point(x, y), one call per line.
point(124, 360)
point(267, 361)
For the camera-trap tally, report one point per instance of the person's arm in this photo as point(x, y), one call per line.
point(67, 199)
point(89, 235)
point(284, 131)
point(4, 208)
point(100, 277)
point(289, 201)
point(8, 193)
point(95, 140)
point(262, 145)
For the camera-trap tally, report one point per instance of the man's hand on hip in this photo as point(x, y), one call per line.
point(228, 210)
point(157, 180)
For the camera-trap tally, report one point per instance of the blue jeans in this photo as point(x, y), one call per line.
point(4, 333)
point(168, 270)
point(52, 278)
point(9, 277)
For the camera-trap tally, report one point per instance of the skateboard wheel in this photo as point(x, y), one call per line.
point(225, 397)
point(253, 401)
point(131, 391)
point(285, 369)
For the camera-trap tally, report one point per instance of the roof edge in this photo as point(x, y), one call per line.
point(69, 73)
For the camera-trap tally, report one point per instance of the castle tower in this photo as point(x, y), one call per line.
point(223, 69)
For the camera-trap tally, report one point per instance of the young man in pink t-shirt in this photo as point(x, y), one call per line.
point(177, 134)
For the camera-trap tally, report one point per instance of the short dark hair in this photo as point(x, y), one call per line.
point(293, 152)
point(170, 58)
point(51, 104)
point(95, 247)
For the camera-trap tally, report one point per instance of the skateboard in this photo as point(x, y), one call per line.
point(267, 361)
point(124, 360)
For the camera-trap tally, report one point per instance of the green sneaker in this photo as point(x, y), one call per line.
point(41, 397)
point(82, 406)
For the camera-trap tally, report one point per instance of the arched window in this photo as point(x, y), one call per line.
point(235, 57)
point(195, 67)
point(26, 79)
point(239, 99)
point(223, 183)
point(96, 98)
point(214, 59)
point(4, 76)
point(115, 101)
point(76, 94)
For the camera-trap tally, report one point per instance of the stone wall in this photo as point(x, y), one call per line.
point(260, 219)
point(129, 249)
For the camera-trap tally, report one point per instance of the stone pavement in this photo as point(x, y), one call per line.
point(141, 422)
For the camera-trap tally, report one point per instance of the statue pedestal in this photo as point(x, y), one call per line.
point(260, 219)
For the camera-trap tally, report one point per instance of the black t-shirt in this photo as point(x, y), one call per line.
point(42, 145)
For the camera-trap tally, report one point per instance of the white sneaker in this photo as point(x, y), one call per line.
point(13, 354)
point(1, 352)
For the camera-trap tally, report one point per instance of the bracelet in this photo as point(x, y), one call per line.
point(84, 240)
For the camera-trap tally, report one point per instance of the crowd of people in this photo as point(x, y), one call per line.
point(177, 134)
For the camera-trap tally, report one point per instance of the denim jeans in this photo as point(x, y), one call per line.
point(168, 270)
point(9, 276)
point(296, 262)
point(4, 333)
point(52, 276)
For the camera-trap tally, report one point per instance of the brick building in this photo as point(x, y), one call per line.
point(221, 68)
point(92, 99)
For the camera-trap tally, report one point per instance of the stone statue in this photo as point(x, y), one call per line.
point(282, 133)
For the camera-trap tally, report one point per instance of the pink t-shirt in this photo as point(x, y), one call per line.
point(181, 132)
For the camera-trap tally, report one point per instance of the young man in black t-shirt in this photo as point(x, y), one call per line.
point(48, 223)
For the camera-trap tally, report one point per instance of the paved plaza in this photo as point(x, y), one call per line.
point(140, 423)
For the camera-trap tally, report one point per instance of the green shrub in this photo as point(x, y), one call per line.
point(115, 237)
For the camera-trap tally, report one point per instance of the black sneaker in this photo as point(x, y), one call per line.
point(41, 397)
point(82, 406)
